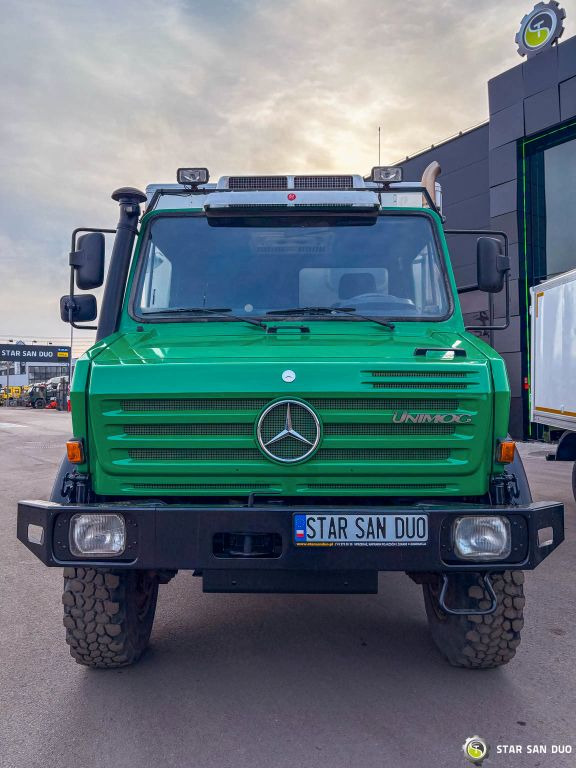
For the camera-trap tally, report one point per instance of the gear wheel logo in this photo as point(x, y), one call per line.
point(476, 750)
point(540, 28)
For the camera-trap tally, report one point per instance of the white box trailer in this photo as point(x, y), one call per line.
point(553, 389)
point(553, 365)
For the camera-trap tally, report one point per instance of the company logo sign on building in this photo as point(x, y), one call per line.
point(540, 28)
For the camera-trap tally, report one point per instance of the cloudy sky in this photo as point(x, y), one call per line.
point(97, 95)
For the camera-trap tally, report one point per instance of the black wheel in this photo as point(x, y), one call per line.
point(108, 614)
point(477, 641)
point(39, 403)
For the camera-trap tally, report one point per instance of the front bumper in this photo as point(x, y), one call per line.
point(175, 537)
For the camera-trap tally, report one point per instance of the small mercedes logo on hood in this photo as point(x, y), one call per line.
point(288, 431)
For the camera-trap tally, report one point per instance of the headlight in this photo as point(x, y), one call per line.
point(97, 534)
point(481, 538)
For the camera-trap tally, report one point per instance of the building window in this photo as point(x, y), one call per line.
point(44, 372)
point(549, 187)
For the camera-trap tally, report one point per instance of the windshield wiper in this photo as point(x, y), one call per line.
point(329, 311)
point(209, 311)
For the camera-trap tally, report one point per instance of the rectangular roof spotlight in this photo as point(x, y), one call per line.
point(191, 177)
point(386, 174)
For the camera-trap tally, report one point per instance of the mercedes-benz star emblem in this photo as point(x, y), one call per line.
point(288, 431)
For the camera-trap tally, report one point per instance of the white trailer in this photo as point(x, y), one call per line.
point(553, 366)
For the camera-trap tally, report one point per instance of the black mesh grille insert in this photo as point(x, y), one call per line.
point(383, 404)
point(247, 430)
point(204, 486)
point(196, 404)
point(256, 404)
point(323, 182)
point(195, 454)
point(420, 374)
point(253, 454)
point(190, 430)
point(382, 430)
point(240, 183)
point(383, 454)
point(376, 486)
point(418, 384)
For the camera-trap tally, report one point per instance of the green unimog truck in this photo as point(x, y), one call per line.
point(283, 397)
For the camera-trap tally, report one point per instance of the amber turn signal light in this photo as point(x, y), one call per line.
point(506, 451)
point(75, 451)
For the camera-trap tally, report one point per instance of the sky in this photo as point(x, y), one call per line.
point(98, 95)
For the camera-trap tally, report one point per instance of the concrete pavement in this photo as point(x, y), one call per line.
point(271, 681)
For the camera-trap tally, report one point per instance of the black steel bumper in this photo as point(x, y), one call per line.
point(205, 538)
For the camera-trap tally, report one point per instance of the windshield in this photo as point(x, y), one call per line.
point(383, 266)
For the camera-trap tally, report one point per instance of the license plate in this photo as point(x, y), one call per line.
point(360, 530)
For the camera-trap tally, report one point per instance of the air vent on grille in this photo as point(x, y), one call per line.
point(247, 429)
point(323, 182)
point(378, 430)
point(195, 454)
point(204, 486)
point(190, 430)
point(383, 454)
point(253, 454)
point(240, 183)
point(417, 384)
point(188, 404)
point(420, 374)
point(256, 404)
point(376, 486)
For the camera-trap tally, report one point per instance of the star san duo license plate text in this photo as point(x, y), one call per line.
point(394, 530)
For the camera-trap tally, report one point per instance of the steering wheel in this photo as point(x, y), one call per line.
point(376, 301)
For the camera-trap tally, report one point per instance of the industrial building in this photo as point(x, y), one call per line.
point(515, 173)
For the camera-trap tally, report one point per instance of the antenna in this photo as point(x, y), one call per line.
point(378, 145)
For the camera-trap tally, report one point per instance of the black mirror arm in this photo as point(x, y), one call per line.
point(507, 301)
point(73, 261)
point(468, 288)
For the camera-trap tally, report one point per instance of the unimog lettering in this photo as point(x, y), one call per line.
point(403, 417)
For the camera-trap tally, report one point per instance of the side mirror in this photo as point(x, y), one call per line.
point(492, 265)
point(78, 309)
point(88, 261)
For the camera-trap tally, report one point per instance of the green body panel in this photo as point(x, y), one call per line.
point(171, 409)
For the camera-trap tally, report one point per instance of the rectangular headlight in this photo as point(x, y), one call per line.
point(481, 538)
point(192, 176)
point(386, 174)
point(92, 535)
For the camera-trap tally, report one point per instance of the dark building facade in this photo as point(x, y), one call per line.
point(515, 173)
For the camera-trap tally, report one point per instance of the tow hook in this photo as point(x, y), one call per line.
point(468, 611)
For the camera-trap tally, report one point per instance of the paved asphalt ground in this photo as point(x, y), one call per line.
point(271, 681)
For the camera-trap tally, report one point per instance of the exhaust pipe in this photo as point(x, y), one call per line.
point(429, 177)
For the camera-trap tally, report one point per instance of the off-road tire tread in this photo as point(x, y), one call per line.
point(102, 628)
point(482, 642)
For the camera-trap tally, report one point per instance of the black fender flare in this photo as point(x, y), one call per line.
point(516, 468)
point(66, 467)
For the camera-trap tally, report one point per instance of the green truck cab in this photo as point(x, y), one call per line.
point(283, 397)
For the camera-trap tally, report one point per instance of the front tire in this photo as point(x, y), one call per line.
point(477, 642)
point(108, 614)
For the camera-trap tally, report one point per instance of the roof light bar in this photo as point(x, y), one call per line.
point(386, 174)
point(192, 177)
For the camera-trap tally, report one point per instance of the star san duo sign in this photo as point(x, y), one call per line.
point(540, 28)
point(34, 353)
